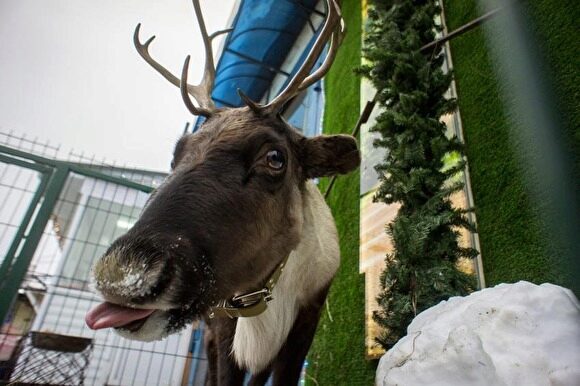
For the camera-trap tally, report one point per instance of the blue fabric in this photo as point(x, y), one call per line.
point(264, 32)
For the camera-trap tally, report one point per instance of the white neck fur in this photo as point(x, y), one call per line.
point(310, 267)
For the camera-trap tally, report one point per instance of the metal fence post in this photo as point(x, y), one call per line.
point(9, 287)
point(44, 174)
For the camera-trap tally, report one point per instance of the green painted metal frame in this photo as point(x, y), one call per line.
point(54, 175)
point(19, 235)
point(9, 287)
point(74, 168)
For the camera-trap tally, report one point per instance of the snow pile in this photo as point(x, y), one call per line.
point(512, 334)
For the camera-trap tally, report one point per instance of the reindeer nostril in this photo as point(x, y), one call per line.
point(128, 277)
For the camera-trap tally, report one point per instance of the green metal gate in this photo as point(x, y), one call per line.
point(53, 176)
point(56, 218)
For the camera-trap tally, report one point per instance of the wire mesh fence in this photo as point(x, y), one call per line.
point(55, 292)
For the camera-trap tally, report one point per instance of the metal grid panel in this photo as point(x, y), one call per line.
point(90, 212)
point(88, 216)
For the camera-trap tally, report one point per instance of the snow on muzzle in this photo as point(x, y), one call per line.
point(107, 315)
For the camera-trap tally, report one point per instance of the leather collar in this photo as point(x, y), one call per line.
point(250, 304)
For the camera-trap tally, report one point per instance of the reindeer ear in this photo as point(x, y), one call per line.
point(327, 155)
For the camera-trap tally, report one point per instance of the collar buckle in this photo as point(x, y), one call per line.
point(247, 300)
point(247, 305)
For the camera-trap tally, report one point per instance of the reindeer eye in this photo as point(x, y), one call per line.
point(275, 159)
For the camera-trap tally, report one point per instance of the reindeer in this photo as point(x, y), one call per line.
point(238, 235)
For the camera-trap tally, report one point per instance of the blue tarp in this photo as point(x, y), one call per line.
point(263, 33)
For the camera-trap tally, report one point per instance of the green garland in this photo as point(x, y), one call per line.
point(411, 85)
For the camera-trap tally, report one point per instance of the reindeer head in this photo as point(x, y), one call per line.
point(230, 211)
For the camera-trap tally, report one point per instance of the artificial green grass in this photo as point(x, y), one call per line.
point(555, 28)
point(337, 355)
point(514, 244)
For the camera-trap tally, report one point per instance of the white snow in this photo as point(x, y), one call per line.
point(512, 334)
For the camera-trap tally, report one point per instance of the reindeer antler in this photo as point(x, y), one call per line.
point(201, 92)
point(335, 42)
point(333, 29)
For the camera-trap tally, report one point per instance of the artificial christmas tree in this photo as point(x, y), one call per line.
point(421, 271)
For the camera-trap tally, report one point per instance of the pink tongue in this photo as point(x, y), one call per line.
point(112, 315)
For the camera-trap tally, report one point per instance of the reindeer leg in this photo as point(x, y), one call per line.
point(222, 369)
point(260, 379)
point(288, 363)
point(211, 352)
